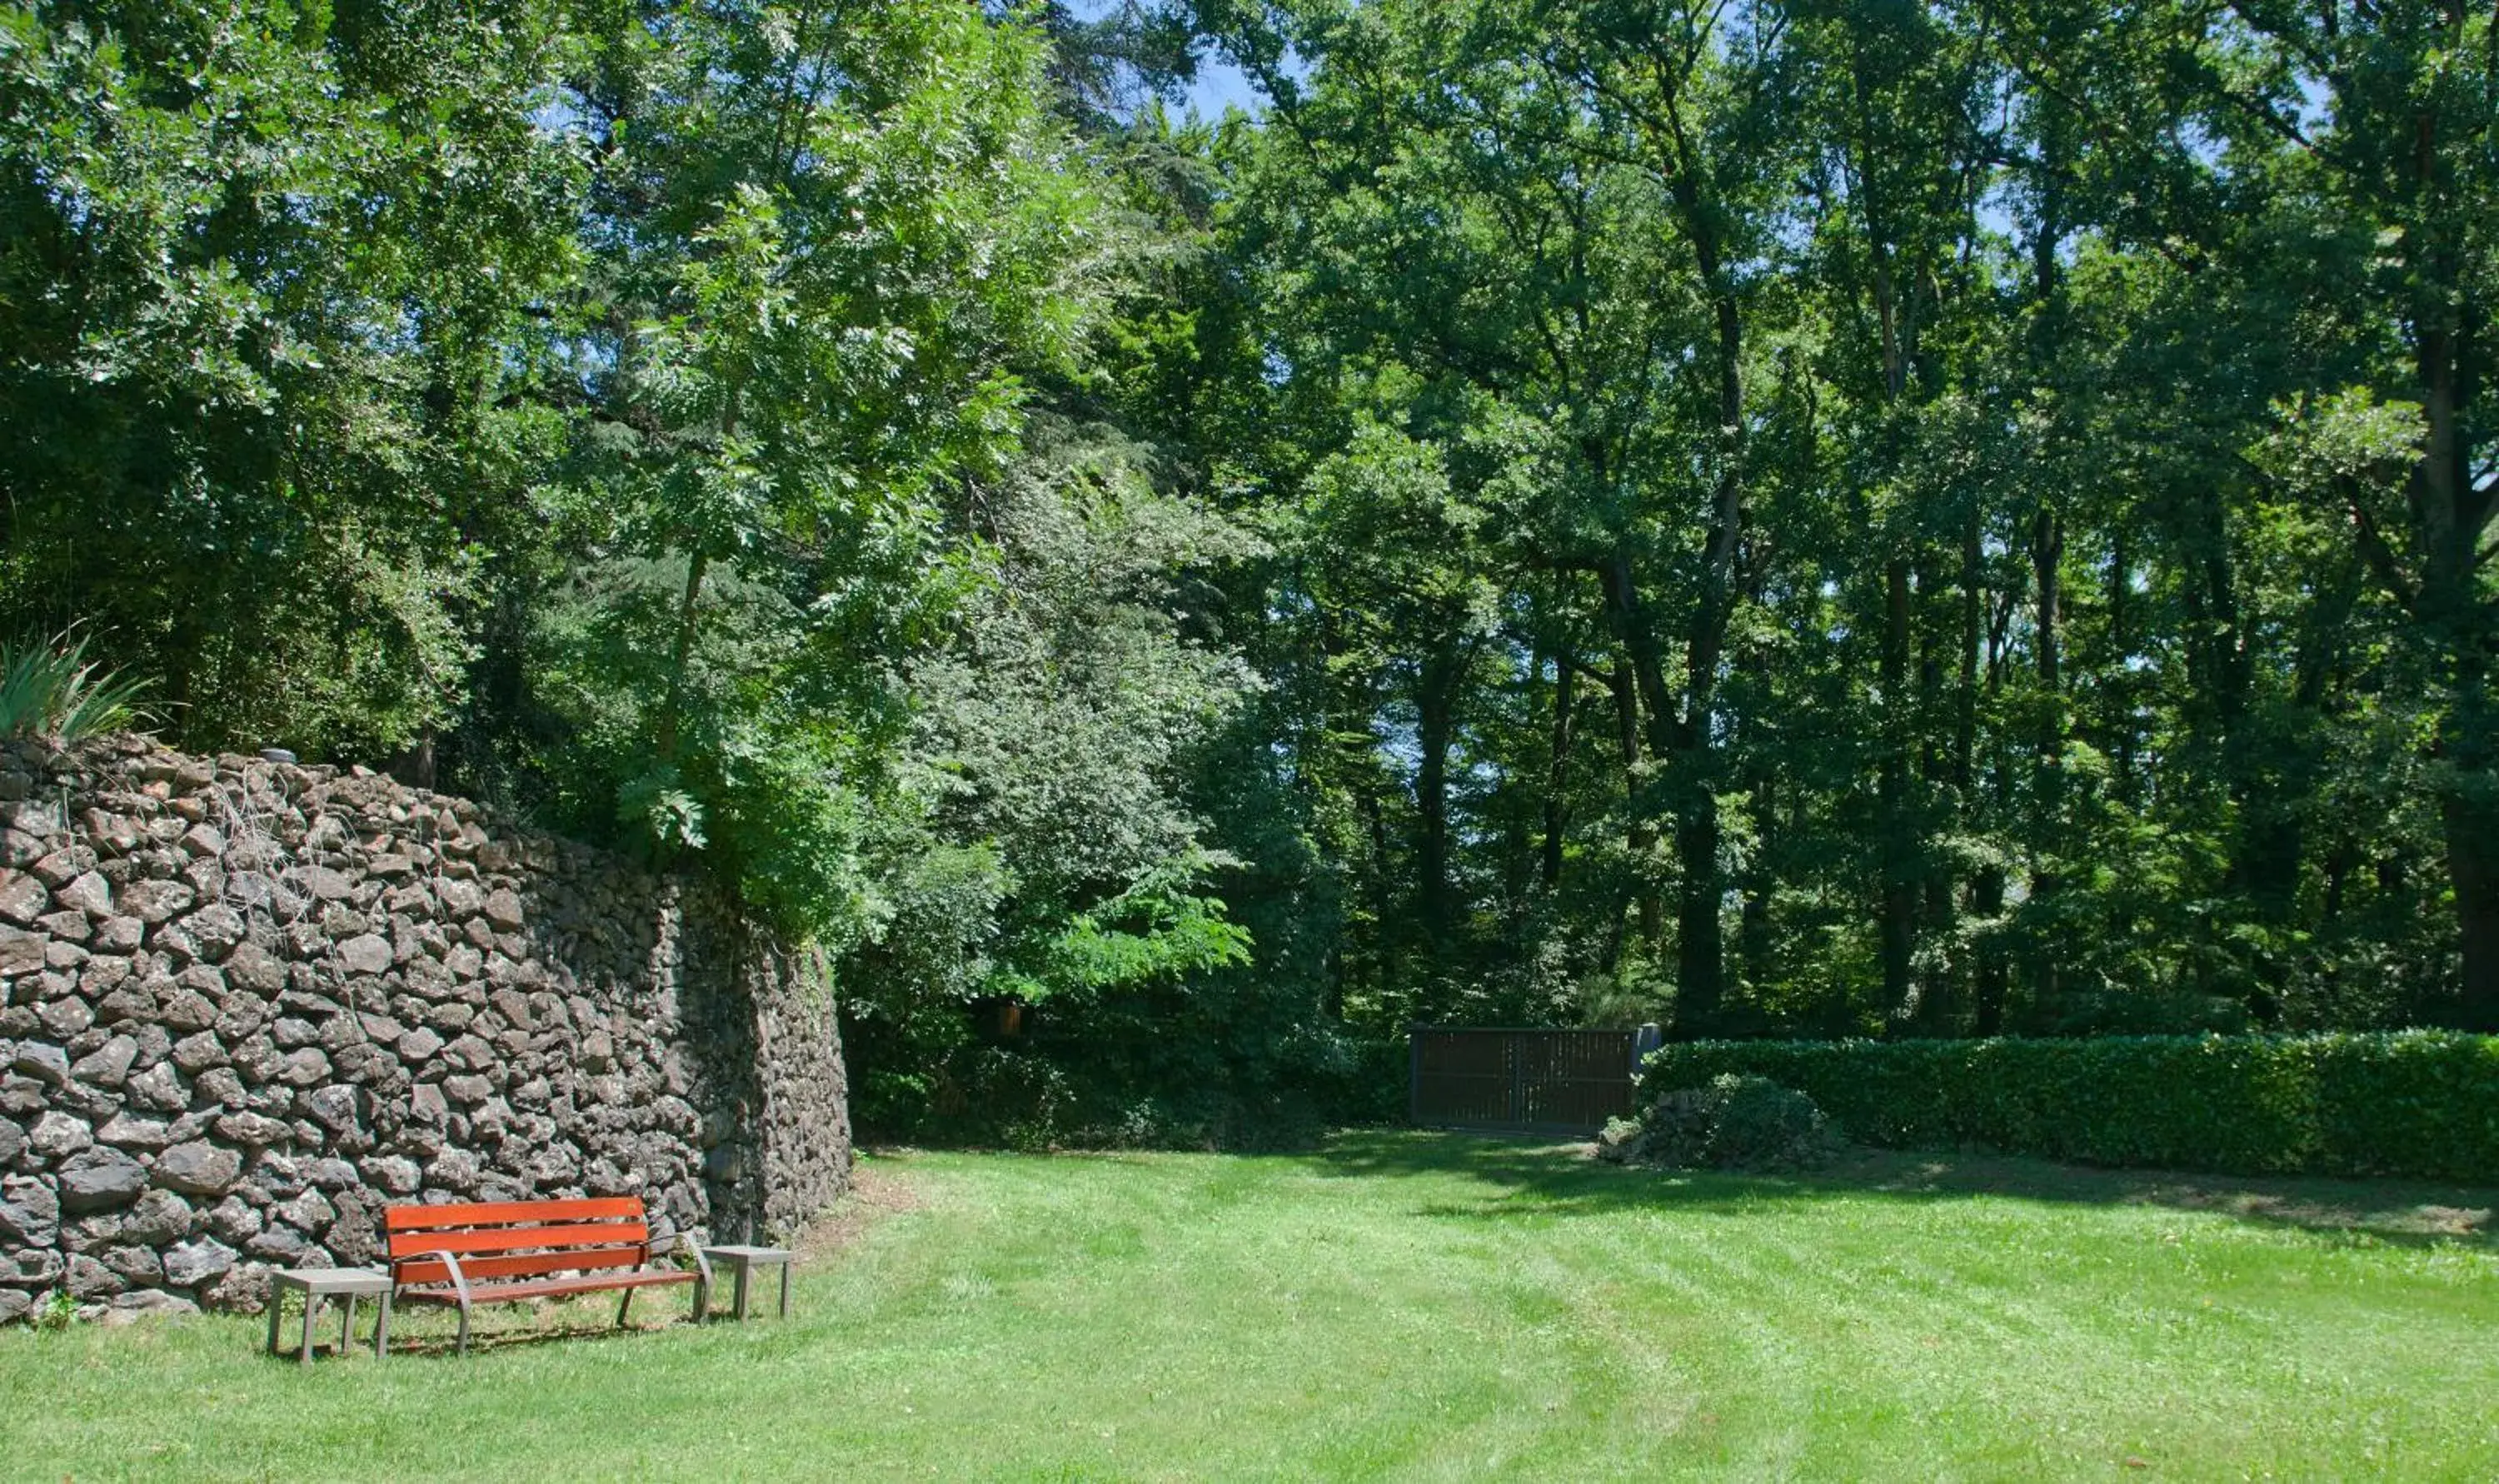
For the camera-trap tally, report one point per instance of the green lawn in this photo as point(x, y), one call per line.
point(1410, 1305)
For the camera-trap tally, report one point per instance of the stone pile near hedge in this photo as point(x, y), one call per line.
point(245, 1005)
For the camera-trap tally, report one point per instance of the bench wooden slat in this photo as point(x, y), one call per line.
point(422, 1270)
point(406, 1219)
point(515, 1239)
point(490, 1293)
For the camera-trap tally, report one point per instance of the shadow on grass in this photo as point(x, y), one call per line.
point(1541, 1178)
point(567, 1329)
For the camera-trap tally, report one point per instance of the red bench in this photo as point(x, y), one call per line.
point(508, 1251)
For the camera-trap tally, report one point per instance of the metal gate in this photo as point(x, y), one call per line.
point(1534, 1081)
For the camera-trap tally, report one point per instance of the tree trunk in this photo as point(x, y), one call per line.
point(2121, 684)
point(2047, 556)
point(681, 653)
point(1701, 950)
point(1436, 706)
point(2470, 817)
point(1642, 839)
point(1557, 777)
point(1898, 914)
point(2452, 515)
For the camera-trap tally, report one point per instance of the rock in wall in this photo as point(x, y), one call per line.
point(245, 1005)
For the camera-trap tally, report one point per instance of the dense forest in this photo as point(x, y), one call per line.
point(1804, 517)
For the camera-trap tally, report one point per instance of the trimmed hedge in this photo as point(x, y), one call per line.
point(2424, 1104)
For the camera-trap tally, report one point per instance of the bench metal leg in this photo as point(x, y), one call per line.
point(744, 1268)
point(347, 1325)
point(785, 1290)
point(311, 1306)
point(381, 1328)
point(464, 1329)
point(624, 1308)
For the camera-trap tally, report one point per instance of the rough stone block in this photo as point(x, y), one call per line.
point(99, 1180)
point(334, 1174)
point(253, 968)
point(148, 1303)
point(22, 897)
point(102, 975)
point(326, 884)
point(279, 1245)
point(88, 892)
point(310, 1212)
point(197, 1168)
point(337, 1108)
point(63, 1019)
point(369, 953)
point(54, 868)
point(454, 1170)
point(198, 1054)
point(503, 908)
point(21, 952)
point(234, 1221)
point(45, 1064)
point(394, 1173)
point(251, 1130)
point(134, 1265)
point(159, 1218)
point(125, 1132)
point(109, 1065)
point(303, 1068)
point(30, 1212)
point(221, 1087)
point(218, 929)
point(89, 1278)
point(192, 1263)
point(155, 901)
point(159, 1089)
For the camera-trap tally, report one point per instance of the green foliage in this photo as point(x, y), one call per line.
point(2422, 1104)
point(265, 409)
point(1849, 519)
point(1728, 1123)
point(49, 688)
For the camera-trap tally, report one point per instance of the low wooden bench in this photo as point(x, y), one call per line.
point(508, 1251)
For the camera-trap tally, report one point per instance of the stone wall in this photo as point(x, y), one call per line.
point(245, 1005)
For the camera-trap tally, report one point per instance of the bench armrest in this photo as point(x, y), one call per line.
point(682, 1242)
point(451, 1264)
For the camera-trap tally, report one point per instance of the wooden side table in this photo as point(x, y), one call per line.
point(345, 1284)
point(745, 1260)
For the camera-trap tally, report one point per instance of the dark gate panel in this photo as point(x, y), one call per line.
point(1537, 1080)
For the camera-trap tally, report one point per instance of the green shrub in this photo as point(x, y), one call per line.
point(1728, 1122)
point(2424, 1104)
point(50, 687)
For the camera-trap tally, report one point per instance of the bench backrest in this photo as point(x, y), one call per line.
point(516, 1238)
